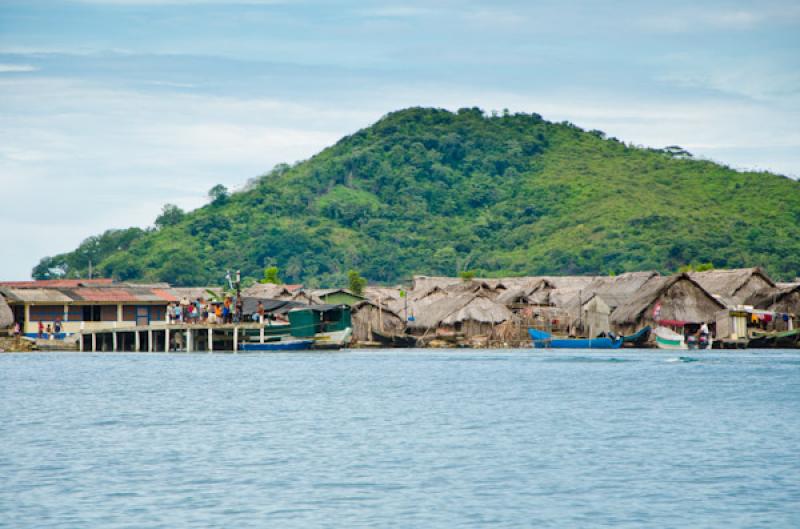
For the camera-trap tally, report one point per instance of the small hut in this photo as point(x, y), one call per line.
point(6, 316)
point(733, 286)
point(465, 317)
point(368, 316)
point(678, 299)
point(782, 302)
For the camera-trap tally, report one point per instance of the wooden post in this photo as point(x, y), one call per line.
point(66, 312)
point(94, 342)
point(236, 339)
point(188, 340)
point(119, 312)
point(80, 342)
point(149, 340)
point(210, 340)
point(136, 343)
point(261, 332)
point(114, 341)
point(166, 340)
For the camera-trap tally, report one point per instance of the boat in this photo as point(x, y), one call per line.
point(280, 345)
point(544, 340)
point(394, 340)
point(329, 326)
point(666, 338)
point(637, 339)
point(769, 340)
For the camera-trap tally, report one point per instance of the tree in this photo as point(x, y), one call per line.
point(466, 276)
point(170, 215)
point(219, 195)
point(357, 283)
point(271, 276)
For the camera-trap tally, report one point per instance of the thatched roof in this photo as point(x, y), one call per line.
point(613, 290)
point(632, 310)
point(268, 290)
point(361, 305)
point(431, 313)
point(765, 299)
point(382, 295)
point(197, 292)
point(732, 285)
point(6, 316)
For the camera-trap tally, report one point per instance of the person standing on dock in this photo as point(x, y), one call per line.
point(41, 330)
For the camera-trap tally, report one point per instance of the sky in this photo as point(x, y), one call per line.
point(110, 109)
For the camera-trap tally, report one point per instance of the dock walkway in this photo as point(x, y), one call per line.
point(186, 337)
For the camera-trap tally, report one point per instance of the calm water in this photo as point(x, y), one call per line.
point(418, 439)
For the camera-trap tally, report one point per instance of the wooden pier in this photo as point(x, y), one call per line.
point(185, 337)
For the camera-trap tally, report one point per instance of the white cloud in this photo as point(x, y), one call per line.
point(13, 68)
point(698, 19)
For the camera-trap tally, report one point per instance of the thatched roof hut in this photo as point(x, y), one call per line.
point(733, 286)
point(6, 316)
point(680, 298)
point(468, 313)
point(368, 316)
point(779, 299)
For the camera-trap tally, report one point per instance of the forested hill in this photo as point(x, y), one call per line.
point(427, 191)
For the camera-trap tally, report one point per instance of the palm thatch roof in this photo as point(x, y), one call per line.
point(6, 316)
point(778, 298)
point(430, 312)
point(198, 292)
point(268, 291)
point(691, 302)
point(734, 286)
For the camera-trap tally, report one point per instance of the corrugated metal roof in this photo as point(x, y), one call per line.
point(98, 294)
point(35, 295)
point(56, 283)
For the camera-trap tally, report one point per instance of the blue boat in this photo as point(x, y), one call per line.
point(544, 340)
point(282, 345)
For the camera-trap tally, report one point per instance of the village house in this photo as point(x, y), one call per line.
point(78, 304)
point(675, 301)
point(733, 286)
point(370, 318)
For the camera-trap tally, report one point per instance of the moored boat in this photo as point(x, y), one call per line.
point(669, 339)
point(279, 345)
point(544, 340)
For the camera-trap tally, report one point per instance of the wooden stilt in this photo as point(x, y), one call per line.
point(236, 339)
point(94, 342)
point(149, 340)
point(166, 340)
point(210, 340)
point(189, 340)
point(114, 341)
point(136, 344)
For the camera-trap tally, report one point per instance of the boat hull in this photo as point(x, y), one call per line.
point(287, 345)
point(542, 340)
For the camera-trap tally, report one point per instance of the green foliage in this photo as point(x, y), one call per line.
point(426, 191)
point(357, 283)
point(219, 195)
point(466, 276)
point(170, 216)
point(702, 267)
point(271, 276)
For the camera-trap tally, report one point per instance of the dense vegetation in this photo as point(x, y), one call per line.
point(427, 191)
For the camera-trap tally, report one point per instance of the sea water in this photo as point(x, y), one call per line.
point(402, 438)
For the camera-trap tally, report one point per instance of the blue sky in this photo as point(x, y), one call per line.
point(111, 108)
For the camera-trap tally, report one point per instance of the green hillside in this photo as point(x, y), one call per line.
point(426, 191)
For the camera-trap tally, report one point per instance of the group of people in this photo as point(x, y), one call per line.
point(51, 330)
point(202, 311)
